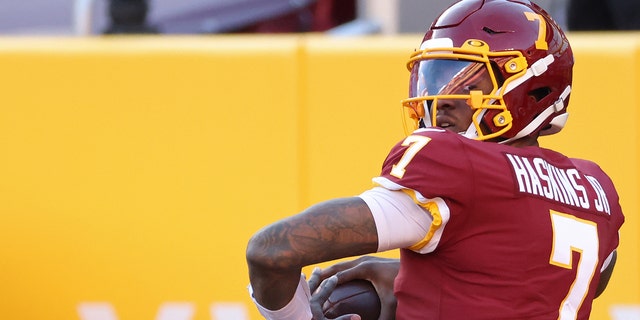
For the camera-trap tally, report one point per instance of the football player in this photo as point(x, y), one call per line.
point(489, 224)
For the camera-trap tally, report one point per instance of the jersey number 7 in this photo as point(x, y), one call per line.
point(571, 234)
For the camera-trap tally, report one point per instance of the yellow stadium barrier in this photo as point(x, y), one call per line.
point(134, 169)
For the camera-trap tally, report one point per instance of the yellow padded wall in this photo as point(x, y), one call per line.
point(134, 170)
point(352, 93)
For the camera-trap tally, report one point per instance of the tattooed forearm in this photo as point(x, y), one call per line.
point(326, 231)
point(349, 229)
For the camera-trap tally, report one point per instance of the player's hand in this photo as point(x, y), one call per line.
point(381, 272)
point(321, 295)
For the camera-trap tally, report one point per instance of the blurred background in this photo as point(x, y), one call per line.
point(92, 17)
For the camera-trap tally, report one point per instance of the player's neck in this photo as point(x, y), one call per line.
point(527, 141)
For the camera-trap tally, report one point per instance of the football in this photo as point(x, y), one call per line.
point(356, 296)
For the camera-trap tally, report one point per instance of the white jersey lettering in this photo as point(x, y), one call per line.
point(538, 177)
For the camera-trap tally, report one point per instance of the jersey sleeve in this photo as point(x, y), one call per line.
point(432, 163)
point(433, 168)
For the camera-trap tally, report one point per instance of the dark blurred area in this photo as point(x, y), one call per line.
point(321, 15)
point(129, 16)
point(93, 17)
point(248, 16)
point(603, 15)
point(336, 17)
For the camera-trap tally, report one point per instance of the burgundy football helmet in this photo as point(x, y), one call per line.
point(507, 59)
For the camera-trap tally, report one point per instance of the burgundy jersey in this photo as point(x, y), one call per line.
point(518, 233)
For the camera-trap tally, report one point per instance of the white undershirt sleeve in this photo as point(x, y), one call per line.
point(297, 309)
point(401, 223)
